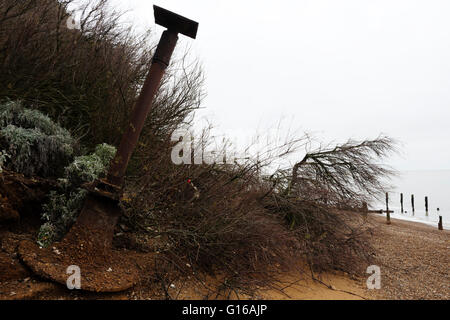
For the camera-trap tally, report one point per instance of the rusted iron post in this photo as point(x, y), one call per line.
point(426, 205)
point(388, 214)
point(175, 24)
point(401, 202)
point(412, 204)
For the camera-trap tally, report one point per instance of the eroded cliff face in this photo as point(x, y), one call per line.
point(21, 200)
point(20, 195)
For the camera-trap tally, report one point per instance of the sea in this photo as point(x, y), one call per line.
point(434, 184)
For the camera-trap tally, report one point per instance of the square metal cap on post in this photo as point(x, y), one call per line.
point(175, 22)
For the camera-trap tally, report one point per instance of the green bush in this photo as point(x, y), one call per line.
point(87, 168)
point(60, 212)
point(36, 145)
point(63, 207)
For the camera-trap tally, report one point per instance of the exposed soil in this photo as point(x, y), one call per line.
point(88, 247)
point(21, 194)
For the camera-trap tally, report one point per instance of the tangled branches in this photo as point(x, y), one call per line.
point(350, 172)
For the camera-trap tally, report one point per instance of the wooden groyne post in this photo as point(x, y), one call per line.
point(412, 204)
point(426, 205)
point(440, 226)
point(388, 214)
point(401, 202)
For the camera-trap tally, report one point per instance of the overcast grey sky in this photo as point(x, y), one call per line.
point(338, 68)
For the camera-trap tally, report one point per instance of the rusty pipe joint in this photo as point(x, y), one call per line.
point(165, 48)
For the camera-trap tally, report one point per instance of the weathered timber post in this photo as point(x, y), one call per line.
point(440, 226)
point(412, 204)
point(388, 215)
point(401, 201)
point(426, 205)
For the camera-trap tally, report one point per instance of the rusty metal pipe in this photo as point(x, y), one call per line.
point(175, 24)
point(142, 108)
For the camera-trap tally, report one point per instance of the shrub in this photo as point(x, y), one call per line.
point(63, 207)
point(60, 212)
point(207, 219)
point(89, 167)
point(36, 144)
point(235, 223)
